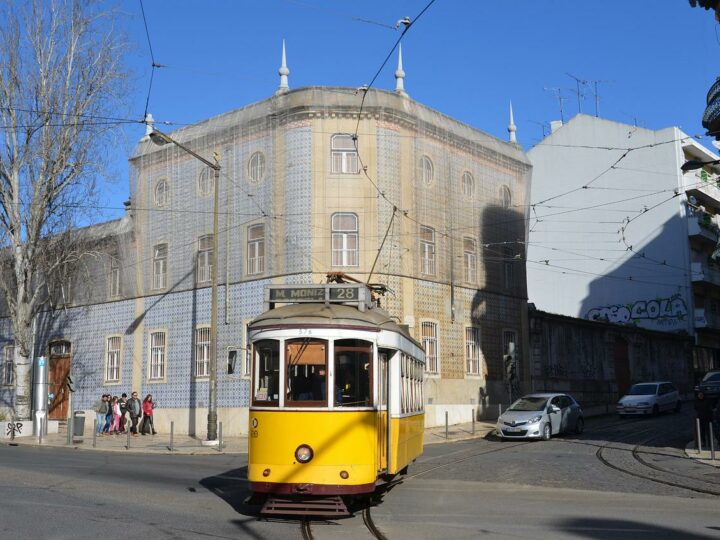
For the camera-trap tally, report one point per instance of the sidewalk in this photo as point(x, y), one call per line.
point(704, 456)
point(187, 445)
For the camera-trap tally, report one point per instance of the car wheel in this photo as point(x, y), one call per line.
point(656, 410)
point(579, 426)
point(546, 432)
point(678, 406)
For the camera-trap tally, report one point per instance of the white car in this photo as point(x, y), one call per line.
point(649, 398)
point(540, 416)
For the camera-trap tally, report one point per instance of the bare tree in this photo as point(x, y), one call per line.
point(61, 79)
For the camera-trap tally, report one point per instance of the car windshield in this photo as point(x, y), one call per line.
point(529, 404)
point(713, 376)
point(643, 390)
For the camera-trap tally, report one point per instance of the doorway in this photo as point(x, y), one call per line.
point(58, 371)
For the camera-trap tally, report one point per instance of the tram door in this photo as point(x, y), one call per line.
point(383, 416)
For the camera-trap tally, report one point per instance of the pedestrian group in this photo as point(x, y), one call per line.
point(112, 414)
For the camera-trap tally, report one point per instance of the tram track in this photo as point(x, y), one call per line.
point(635, 453)
point(307, 533)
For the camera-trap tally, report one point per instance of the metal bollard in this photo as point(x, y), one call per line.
point(172, 436)
point(446, 424)
point(220, 437)
point(698, 434)
point(40, 430)
point(499, 410)
point(70, 430)
point(712, 441)
point(127, 444)
point(95, 426)
point(473, 422)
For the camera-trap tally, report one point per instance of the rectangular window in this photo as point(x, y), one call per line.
point(427, 250)
point(204, 268)
point(256, 249)
point(157, 355)
point(8, 366)
point(112, 359)
point(306, 369)
point(344, 154)
point(353, 373)
point(472, 350)
point(469, 260)
point(202, 352)
point(160, 253)
point(267, 372)
point(344, 239)
point(114, 277)
point(430, 344)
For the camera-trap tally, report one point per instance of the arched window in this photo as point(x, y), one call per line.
point(505, 197)
point(256, 167)
point(344, 154)
point(206, 182)
point(427, 171)
point(161, 193)
point(468, 184)
point(344, 239)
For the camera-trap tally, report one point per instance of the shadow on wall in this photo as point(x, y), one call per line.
point(497, 305)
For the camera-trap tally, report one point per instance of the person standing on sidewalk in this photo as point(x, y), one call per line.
point(134, 407)
point(147, 421)
point(101, 408)
point(123, 411)
point(115, 425)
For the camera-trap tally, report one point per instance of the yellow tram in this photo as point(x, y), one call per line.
point(329, 369)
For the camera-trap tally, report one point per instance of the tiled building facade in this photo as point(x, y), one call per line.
point(435, 209)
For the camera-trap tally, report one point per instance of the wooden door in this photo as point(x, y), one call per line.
point(58, 370)
point(622, 366)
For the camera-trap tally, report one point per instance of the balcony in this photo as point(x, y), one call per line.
point(706, 319)
point(704, 186)
point(702, 225)
point(705, 273)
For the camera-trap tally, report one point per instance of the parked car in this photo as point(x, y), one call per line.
point(710, 384)
point(649, 398)
point(540, 416)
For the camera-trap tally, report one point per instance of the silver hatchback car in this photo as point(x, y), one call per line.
point(541, 416)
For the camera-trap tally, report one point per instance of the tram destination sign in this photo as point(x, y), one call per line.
point(331, 293)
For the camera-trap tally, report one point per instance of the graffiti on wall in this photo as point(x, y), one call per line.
point(667, 312)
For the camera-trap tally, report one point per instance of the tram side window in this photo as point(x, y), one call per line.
point(306, 363)
point(353, 373)
point(267, 371)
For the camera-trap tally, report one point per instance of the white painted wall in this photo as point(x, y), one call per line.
point(584, 235)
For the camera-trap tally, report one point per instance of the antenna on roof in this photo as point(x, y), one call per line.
point(596, 94)
point(560, 98)
point(580, 95)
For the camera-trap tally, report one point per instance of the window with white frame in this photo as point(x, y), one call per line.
point(469, 259)
point(472, 350)
point(160, 253)
point(468, 185)
point(256, 249)
point(430, 344)
point(233, 355)
point(114, 277)
point(8, 365)
point(204, 268)
point(509, 336)
point(344, 154)
point(505, 197)
point(427, 250)
point(427, 170)
point(344, 239)
point(157, 355)
point(256, 167)
point(206, 182)
point(112, 359)
point(202, 352)
point(161, 193)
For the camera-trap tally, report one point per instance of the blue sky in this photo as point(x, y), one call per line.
point(467, 59)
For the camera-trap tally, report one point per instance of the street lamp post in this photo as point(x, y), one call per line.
point(695, 164)
point(160, 139)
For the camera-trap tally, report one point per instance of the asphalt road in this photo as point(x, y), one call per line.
point(473, 489)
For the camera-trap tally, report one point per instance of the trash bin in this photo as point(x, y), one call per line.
point(78, 424)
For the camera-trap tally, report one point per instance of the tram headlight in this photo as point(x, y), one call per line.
point(304, 453)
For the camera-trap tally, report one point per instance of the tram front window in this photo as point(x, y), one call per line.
point(267, 372)
point(306, 364)
point(353, 373)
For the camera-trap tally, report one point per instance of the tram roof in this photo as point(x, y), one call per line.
point(329, 315)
